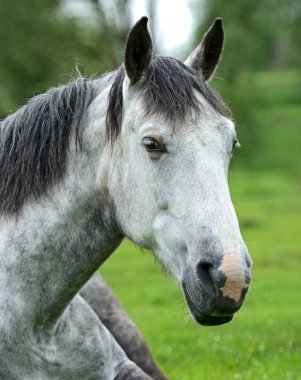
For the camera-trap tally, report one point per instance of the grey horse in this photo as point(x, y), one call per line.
point(141, 153)
point(111, 313)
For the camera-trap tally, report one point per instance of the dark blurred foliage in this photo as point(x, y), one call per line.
point(39, 44)
point(260, 35)
point(259, 75)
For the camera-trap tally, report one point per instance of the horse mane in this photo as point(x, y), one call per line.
point(34, 142)
point(169, 90)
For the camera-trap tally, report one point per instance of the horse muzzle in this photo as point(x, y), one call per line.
point(215, 292)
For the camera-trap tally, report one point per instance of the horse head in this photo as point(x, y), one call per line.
point(171, 149)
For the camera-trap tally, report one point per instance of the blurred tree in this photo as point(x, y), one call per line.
point(39, 42)
point(260, 36)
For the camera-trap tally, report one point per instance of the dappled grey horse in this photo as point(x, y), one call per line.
point(105, 304)
point(142, 152)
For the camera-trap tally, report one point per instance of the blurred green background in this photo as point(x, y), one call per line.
point(41, 44)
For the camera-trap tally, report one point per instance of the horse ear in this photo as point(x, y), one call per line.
point(206, 56)
point(138, 51)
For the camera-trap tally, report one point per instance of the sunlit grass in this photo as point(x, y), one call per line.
point(264, 339)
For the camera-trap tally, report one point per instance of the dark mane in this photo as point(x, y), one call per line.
point(34, 142)
point(167, 91)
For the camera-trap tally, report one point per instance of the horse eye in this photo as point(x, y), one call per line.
point(235, 143)
point(152, 145)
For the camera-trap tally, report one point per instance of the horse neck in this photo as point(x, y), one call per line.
point(52, 248)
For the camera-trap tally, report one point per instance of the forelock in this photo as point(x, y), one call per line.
point(169, 91)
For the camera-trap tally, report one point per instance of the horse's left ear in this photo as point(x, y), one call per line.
point(206, 56)
point(138, 51)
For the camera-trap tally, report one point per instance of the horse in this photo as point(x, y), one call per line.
point(106, 305)
point(143, 153)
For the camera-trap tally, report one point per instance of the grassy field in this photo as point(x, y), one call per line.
point(264, 339)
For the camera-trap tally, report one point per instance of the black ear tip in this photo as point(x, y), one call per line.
point(142, 22)
point(218, 22)
point(141, 25)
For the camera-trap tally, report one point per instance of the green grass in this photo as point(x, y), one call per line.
point(264, 339)
point(266, 110)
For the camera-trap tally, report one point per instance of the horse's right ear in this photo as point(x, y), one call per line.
point(138, 51)
point(206, 56)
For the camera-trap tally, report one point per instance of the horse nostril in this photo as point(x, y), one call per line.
point(204, 272)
